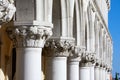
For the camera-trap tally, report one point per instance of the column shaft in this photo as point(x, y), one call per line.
point(97, 46)
point(85, 73)
point(108, 75)
point(56, 68)
point(28, 64)
point(39, 10)
point(103, 74)
point(73, 71)
point(73, 68)
point(92, 72)
point(97, 73)
point(100, 73)
point(78, 24)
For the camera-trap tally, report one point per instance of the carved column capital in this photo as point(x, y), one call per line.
point(58, 47)
point(103, 64)
point(107, 68)
point(75, 54)
point(29, 35)
point(88, 58)
point(75, 51)
point(97, 62)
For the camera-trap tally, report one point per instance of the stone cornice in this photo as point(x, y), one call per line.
point(29, 35)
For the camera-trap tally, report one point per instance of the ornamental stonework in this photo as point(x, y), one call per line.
point(58, 48)
point(75, 51)
point(75, 54)
point(7, 10)
point(88, 58)
point(29, 36)
point(97, 62)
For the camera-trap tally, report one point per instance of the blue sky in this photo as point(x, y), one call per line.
point(114, 28)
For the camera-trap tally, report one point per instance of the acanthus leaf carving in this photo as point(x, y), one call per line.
point(88, 58)
point(29, 36)
point(57, 48)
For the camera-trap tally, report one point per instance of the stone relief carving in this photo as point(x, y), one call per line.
point(57, 48)
point(29, 36)
point(101, 63)
point(75, 53)
point(88, 58)
point(97, 62)
point(7, 10)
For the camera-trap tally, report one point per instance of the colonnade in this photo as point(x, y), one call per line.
point(78, 47)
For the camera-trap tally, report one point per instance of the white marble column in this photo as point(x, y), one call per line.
point(78, 24)
point(84, 73)
point(29, 41)
point(28, 65)
point(92, 29)
point(87, 67)
point(56, 68)
point(101, 74)
point(108, 75)
point(73, 69)
point(97, 40)
point(56, 52)
point(70, 13)
point(97, 73)
point(31, 30)
point(73, 64)
point(92, 73)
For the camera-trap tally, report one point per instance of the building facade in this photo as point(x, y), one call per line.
point(55, 40)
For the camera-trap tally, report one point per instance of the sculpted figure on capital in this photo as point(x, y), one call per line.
point(7, 10)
